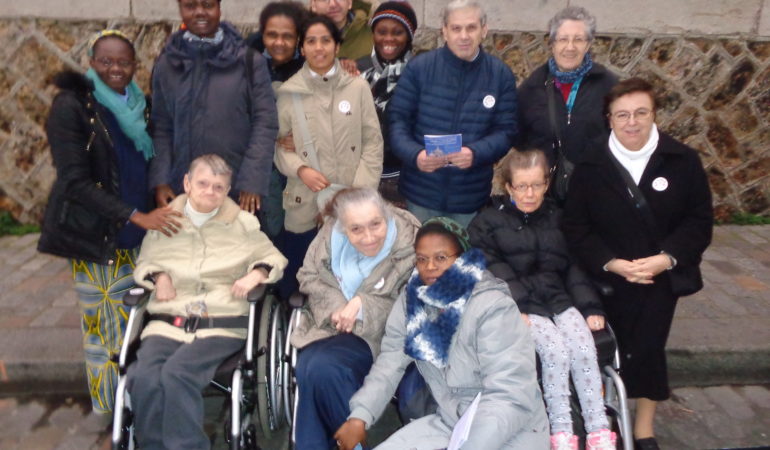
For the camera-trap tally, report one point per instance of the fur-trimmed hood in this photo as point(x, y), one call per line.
point(73, 81)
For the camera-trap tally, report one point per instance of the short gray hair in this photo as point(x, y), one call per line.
point(454, 5)
point(572, 13)
point(214, 162)
point(347, 198)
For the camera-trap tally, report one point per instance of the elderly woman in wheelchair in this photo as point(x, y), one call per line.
point(198, 310)
point(351, 275)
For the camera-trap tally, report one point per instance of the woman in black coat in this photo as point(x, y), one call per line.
point(524, 246)
point(575, 86)
point(98, 206)
point(648, 245)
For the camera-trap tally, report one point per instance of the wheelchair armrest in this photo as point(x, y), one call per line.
point(136, 296)
point(257, 293)
point(605, 345)
point(297, 300)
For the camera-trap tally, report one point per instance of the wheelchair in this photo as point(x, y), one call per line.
point(250, 378)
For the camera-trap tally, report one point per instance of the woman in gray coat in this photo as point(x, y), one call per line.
point(465, 333)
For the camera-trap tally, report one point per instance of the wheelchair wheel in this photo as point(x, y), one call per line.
point(289, 381)
point(275, 361)
point(269, 420)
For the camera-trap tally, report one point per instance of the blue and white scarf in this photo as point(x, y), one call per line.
point(573, 75)
point(433, 313)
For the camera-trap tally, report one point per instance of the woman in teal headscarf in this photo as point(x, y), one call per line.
point(99, 205)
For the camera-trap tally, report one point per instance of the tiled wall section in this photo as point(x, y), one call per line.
point(716, 97)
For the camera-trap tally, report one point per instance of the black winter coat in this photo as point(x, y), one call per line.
point(528, 251)
point(85, 210)
point(587, 122)
point(601, 223)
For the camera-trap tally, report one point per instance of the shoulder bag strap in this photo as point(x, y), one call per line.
point(551, 96)
point(307, 141)
point(636, 196)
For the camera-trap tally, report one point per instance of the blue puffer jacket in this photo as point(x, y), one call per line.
point(202, 103)
point(439, 93)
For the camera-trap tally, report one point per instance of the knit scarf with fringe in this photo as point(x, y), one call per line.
point(433, 312)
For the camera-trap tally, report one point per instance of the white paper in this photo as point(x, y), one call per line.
point(463, 426)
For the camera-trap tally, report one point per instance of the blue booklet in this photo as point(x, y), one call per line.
point(443, 144)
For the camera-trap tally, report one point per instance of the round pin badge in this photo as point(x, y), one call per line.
point(489, 101)
point(660, 184)
point(344, 107)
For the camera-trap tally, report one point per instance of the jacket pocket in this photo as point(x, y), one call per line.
point(76, 218)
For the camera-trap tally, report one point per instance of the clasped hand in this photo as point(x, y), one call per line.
point(344, 319)
point(641, 270)
point(429, 163)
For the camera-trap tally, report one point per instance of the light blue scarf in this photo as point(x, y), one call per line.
point(129, 114)
point(349, 266)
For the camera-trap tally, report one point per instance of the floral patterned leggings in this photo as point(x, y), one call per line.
point(566, 344)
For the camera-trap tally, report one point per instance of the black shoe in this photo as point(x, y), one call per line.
point(646, 444)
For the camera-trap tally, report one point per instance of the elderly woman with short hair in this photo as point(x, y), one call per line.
point(352, 274)
point(561, 102)
point(639, 217)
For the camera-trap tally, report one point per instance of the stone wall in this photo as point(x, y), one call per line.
point(715, 84)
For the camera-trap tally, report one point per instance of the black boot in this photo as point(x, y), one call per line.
point(646, 444)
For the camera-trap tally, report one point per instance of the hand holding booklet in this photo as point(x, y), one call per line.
point(463, 426)
point(443, 144)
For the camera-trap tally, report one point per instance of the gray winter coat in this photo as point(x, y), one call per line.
point(203, 103)
point(492, 352)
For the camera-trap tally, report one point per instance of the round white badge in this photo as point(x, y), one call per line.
point(489, 101)
point(660, 184)
point(344, 107)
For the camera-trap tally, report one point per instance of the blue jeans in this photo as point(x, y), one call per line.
point(329, 372)
point(422, 213)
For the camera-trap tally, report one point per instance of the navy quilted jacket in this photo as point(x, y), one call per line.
point(439, 93)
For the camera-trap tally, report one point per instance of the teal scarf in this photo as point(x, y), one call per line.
point(130, 114)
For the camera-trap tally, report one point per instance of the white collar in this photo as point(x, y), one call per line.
point(331, 72)
point(198, 218)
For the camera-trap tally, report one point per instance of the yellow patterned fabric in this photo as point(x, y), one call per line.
point(100, 289)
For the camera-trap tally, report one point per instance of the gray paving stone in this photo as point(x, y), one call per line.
point(49, 317)
point(693, 399)
point(21, 419)
point(68, 417)
point(79, 442)
point(730, 401)
point(758, 395)
point(42, 438)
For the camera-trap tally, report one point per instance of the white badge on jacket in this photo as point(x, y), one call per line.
point(660, 184)
point(489, 101)
point(344, 107)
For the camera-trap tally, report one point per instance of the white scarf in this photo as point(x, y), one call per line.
point(634, 161)
point(198, 218)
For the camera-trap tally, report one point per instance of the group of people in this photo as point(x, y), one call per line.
point(298, 157)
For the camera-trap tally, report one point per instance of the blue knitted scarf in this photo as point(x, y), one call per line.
point(573, 75)
point(433, 312)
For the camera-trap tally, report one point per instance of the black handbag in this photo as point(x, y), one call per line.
point(685, 279)
point(562, 170)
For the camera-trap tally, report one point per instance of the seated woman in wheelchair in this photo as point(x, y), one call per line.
point(461, 327)
point(352, 273)
point(198, 310)
point(524, 246)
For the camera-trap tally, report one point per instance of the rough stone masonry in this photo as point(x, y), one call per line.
point(709, 58)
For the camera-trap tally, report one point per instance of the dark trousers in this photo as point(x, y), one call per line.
point(329, 372)
point(166, 383)
point(295, 246)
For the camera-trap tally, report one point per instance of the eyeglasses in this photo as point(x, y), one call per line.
point(537, 187)
point(577, 41)
point(109, 62)
point(625, 116)
point(438, 260)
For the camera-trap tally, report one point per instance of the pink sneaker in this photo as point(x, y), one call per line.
point(564, 441)
point(601, 440)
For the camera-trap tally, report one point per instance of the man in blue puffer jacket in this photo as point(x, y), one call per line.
point(458, 88)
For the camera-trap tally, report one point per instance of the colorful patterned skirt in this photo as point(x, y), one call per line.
point(100, 289)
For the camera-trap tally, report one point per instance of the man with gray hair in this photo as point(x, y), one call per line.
point(456, 89)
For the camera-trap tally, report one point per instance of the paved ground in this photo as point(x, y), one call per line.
point(696, 418)
point(720, 336)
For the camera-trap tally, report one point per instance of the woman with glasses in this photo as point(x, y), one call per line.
point(99, 206)
point(352, 274)
point(561, 101)
point(639, 217)
point(523, 245)
point(462, 329)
